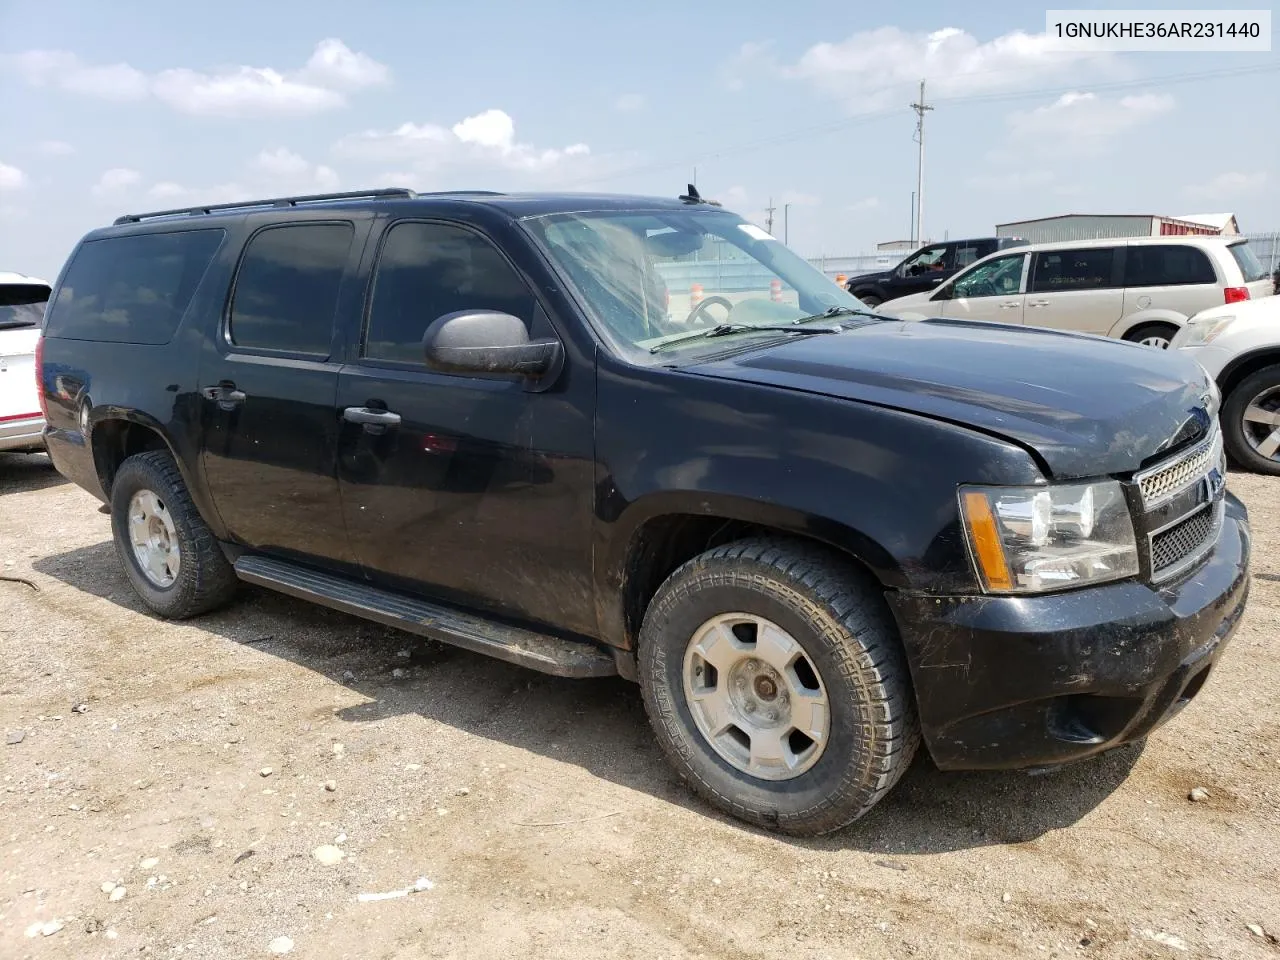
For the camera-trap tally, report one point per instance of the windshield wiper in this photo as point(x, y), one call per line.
point(725, 329)
point(830, 312)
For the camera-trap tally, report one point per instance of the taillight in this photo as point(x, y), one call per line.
point(1236, 294)
point(44, 409)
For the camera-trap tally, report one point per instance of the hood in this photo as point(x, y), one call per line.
point(1085, 405)
point(875, 275)
point(911, 304)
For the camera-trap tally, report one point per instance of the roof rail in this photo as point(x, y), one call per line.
point(386, 193)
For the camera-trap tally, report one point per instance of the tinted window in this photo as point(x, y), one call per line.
point(131, 289)
point(1248, 262)
point(927, 260)
point(1086, 269)
point(286, 292)
point(998, 277)
point(969, 252)
point(22, 304)
point(1158, 265)
point(427, 270)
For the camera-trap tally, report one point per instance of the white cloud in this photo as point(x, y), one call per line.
point(1229, 185)
point(288, 168)
point(11, 178)
point(873, 69)
point(58, 68)
point(230, 91)
point(116, 181)
point(334, 64)
point(866, 203)
point(487, 139)
point(629, 102)
point(1085, 122)
point(55, 148)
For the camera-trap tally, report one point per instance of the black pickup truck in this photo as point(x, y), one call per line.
point(925, 269)
point(813, 535)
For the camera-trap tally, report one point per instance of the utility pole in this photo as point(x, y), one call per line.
point(920, 108)
point(786, 224)
point(768, 216)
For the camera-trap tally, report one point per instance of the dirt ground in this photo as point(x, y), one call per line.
point(539, 810)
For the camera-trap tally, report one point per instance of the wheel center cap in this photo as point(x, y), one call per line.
point(766, 689)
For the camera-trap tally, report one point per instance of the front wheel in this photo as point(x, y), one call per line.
point(776, 685)
point(169, 553)
point(870, 300)
point(1251, 421)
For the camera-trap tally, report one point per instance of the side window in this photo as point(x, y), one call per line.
point(1088, 268)
point(286, 291)
point(427, 270)
point(1000, 277)
point(928, 259)
point(131, 289)
point(968, 253)
point(1161, 265)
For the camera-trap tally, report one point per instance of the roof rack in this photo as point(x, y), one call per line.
point(386, 193)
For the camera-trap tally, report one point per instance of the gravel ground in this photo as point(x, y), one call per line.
point(230, 786)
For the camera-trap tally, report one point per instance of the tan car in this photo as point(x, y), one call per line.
point(1141, 289)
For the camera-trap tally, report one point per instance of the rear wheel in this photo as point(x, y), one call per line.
point(169, 553)
point(1251, 421)
point(1158, 335)
point(776, 685)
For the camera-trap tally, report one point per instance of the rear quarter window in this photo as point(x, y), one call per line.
point(1159, 265)
point(131, 289)
point(1250, 266)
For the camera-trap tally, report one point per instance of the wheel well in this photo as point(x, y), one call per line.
point(1141, 324)
point(664, 543)
point(1246, 368)
point(115, 441)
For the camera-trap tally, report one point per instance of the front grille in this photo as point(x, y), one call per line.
point(1183, 542)
point(1167, 480)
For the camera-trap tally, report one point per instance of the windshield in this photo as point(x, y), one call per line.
point(22, 304)
point(649, 279)
point(1250, 266)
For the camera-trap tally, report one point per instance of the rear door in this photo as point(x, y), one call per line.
point(1075, 289)
point(1178, 278)
point(991, 291)
point(268, 387)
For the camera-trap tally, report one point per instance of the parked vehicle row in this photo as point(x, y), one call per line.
point(1137, 289)
point(469, 416)
point(22, 303)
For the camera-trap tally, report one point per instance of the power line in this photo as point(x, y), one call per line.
point(857, 119)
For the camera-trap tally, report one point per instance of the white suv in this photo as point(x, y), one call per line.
point(1141, 289)
point(22, 303)
point(1239, 346)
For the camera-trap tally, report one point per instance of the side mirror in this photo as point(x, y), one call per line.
point(487, 342)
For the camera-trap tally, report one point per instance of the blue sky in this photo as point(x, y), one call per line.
point(110, 108)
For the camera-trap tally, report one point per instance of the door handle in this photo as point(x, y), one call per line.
point(380, 418)
point(1038, 303)
point(1010, 304)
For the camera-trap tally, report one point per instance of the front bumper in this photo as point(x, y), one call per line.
point(24, 434)
point(1012, 682)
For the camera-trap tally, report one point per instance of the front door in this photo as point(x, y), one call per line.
point(922, 271)
point(267, 391)
point(991, 291)
point(474, 490)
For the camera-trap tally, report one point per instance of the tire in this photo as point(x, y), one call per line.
point(870, 300)
point(1151, 332)
point(846, 638)
point(1259, 389)
point(203, 579)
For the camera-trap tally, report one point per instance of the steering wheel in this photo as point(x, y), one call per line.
point(697, 311)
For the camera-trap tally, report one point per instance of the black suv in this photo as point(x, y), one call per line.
point(925, 269)
point(811, 534)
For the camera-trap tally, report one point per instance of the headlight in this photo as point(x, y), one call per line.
point(1037, 539)
point(1200, 332)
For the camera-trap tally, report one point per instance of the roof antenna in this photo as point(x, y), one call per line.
point(693, 196)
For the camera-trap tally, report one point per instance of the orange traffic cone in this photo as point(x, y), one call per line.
point(695, 294)
point(775, 290)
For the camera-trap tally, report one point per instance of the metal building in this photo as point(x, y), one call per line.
point(1081, 226)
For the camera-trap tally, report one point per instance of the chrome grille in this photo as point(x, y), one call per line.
point(1166, 480)
point(1183, 543)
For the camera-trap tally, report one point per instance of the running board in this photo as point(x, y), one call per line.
point(561, 658)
